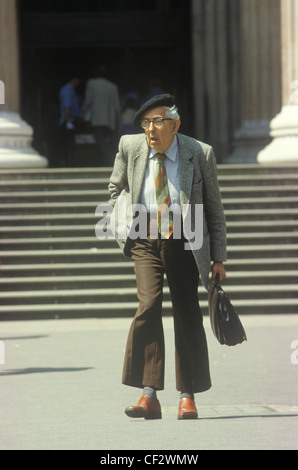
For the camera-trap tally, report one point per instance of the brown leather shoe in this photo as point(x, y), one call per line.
point(147, 408)
point(187, 409)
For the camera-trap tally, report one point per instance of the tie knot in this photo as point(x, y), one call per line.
point(161, 156)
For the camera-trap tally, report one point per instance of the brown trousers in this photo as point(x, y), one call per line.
point(144, 360)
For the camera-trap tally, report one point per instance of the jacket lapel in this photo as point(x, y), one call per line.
point(139, 167)
point(186, 169)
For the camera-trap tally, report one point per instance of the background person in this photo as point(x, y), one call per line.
point(102, 108)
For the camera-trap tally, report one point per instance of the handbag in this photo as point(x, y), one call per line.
point(225, 322)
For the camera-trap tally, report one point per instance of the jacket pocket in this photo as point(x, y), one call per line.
point(196, 195)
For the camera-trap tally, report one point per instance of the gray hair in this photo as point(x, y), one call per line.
point(171, 113)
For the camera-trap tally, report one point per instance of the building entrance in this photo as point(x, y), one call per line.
point(138, 45)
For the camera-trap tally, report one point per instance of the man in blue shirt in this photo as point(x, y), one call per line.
point(69, 103)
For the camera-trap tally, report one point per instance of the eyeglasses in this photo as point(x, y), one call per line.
point(157, 122)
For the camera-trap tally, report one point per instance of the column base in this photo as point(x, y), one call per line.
point(284, 131)
point(250, 139)
point(15, 143)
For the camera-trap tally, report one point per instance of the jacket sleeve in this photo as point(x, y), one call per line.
point(118, 179)
point(214, 210)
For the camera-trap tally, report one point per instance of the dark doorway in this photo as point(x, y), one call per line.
point(136, 42)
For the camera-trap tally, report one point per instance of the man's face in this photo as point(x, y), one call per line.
point(160, 139)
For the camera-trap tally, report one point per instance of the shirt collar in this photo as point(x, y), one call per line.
point(171, 152)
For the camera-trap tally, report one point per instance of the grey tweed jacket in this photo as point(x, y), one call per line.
point(198, 185)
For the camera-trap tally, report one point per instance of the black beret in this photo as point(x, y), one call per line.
point(157, 100)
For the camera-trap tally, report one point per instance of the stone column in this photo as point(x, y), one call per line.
point(284, 127)
point(259, 100)
point(15, 134)
point(198, 67)
point(210, 23)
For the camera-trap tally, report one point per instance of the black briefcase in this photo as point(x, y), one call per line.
point(225, 322)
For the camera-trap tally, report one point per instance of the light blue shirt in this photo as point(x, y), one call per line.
point(69, 99)
point(171, 164)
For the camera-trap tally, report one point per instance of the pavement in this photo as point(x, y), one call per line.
point(61, 389)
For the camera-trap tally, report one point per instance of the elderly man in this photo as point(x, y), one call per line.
point(159, 169)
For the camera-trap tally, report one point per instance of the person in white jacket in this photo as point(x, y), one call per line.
point(101, 108)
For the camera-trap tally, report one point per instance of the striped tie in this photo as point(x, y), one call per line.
point(165, 224)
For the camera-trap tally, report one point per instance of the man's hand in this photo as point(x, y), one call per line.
point(219, 268)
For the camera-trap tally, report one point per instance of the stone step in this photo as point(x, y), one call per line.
point(95, 181)
point(47, 184)
point(102, 192)
point(55, 269)
point(47, 230)
point(111, 254)
point(46, 196)
point(123, 267)
point(230, 170)
point(267, 203)
point(48, 219)
point(90, 200)
point(259, 191)
point(83, 281)
point(127, 309)
point(259, 264)
point(258, 179)
point(234, 226)
point(118, 294)
point(56, 242)
point(129, 294)
point(260, 202)
point(253, 238)
point(50, 207)
point(119, 309)
point(255, 168)
point(270, 250)
point(53, 265)
point(269, 214)
point(234, 215)
point(67, 282)
point(75, 255)
point(70, 230)
point(56, 173)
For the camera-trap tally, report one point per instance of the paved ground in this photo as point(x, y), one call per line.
point(60, 389)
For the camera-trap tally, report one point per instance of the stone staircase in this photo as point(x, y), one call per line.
point(54, 266)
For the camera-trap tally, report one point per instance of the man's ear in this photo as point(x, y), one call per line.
point(176, 125)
